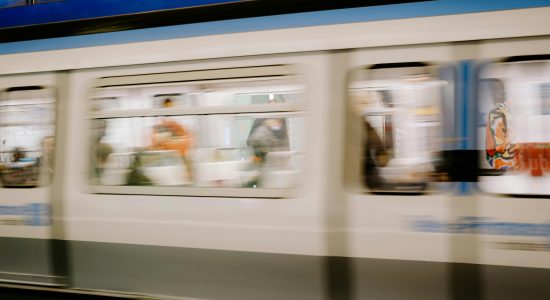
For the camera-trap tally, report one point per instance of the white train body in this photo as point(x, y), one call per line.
point(326, 237)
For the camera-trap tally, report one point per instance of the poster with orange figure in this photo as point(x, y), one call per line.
point(500, 151)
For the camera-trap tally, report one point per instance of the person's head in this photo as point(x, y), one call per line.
point(167, 103)
point(274, 124)
point(496, 87)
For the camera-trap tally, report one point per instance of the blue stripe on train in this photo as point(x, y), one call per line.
point(351, 15)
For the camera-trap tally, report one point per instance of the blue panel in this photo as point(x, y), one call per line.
point(8, 3)
point(464, 96)
point(340, 16)
point(66, 10)
point(59, 11)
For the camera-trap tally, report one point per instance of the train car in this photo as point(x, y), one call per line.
point(387, 152)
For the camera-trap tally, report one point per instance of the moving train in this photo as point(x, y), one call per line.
point(404, 158)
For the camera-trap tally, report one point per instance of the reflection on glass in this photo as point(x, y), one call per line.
point(403, 130)
point(191, 95)
point(211, 151)
point(216, 149)
point(27, 117)
point(513, 127)
point(142, 151)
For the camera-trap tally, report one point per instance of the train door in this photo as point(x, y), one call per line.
point(512, 133)
point(401, 134)
point(28, 105)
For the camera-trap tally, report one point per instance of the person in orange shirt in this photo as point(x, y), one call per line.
point(170, 135)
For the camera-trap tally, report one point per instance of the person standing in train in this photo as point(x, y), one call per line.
point(267, 135)
point(379, 150)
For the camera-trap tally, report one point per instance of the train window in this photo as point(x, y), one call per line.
point(27, 125)
point(402, 113)
point(237, 130)
point(513, 127)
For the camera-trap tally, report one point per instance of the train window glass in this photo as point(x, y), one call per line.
point(199, 95)
point(27, 125)
point(205, 132)
point(513, 127)
point(402, 116)
point(197, 90)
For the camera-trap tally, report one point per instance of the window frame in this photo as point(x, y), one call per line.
point(480, 68)
point(356, 181)
point(245, 74)
point(43, 182)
